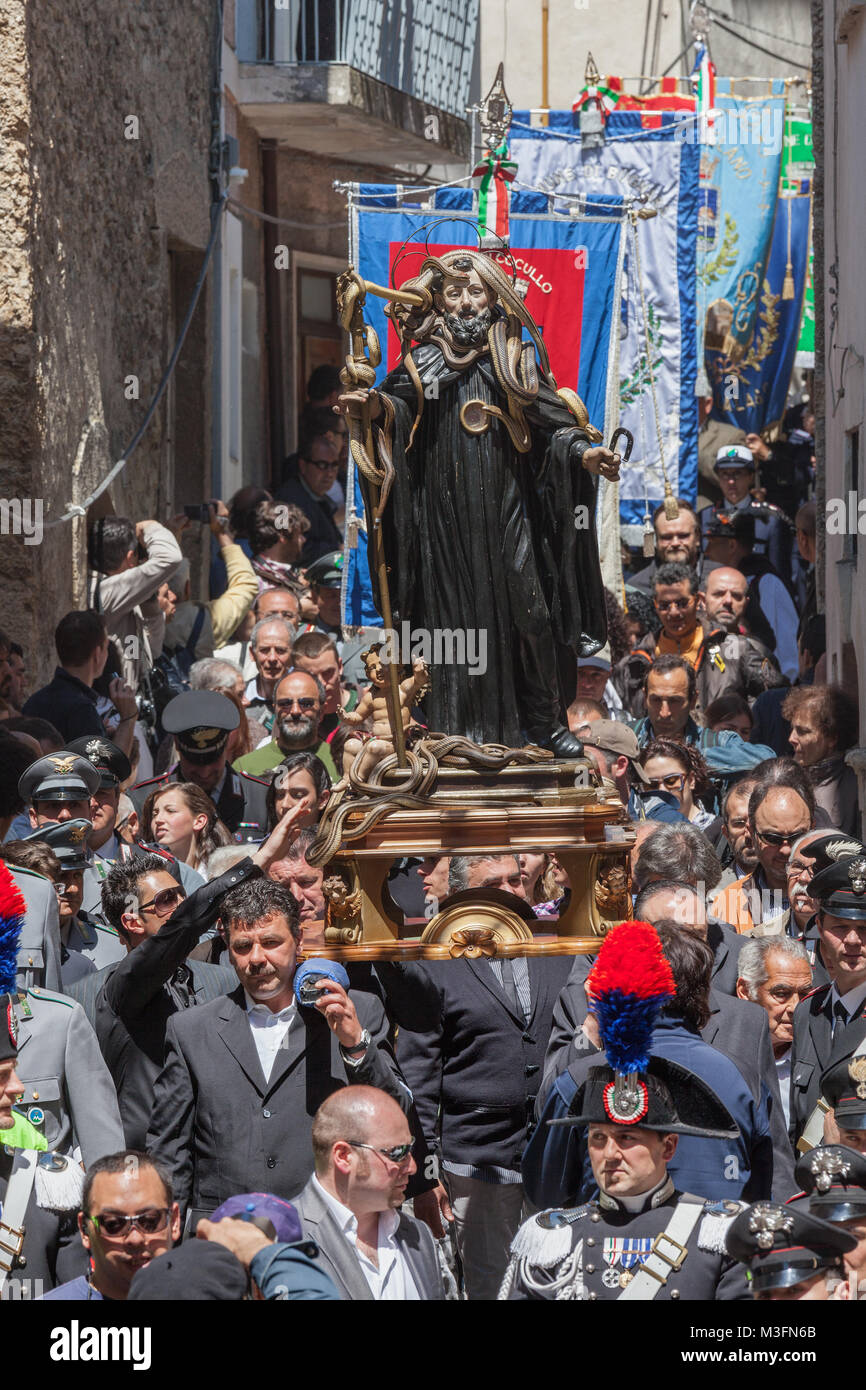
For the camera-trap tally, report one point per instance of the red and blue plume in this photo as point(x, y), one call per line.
point(627, 989)
point(12, 911)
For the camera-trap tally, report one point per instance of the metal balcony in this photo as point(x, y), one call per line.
point(388, 66)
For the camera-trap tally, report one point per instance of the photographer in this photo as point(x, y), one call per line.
point(128, 563)
point(222, 615)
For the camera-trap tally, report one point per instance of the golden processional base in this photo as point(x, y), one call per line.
point(459, 798)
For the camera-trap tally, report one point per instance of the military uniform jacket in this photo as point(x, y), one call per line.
point(597, 1249)
point(52, 1252)
point(39, 943)
point(241, 801)
point(68, 1094)
point(816, 1048)
point(98, 942)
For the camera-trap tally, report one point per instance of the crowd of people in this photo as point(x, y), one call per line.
point(390, 1131)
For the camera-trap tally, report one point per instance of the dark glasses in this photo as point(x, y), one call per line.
point(148, 1222)
point(398, 1154)
point(307, 703)
point(674, 782)
point(322, 464)
point(772, 837)
point(163, 902)
point(675, 605)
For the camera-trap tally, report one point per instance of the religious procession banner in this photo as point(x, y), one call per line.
point(566, 266)
point(657, 358)
point(754, 384)
point(739, 183)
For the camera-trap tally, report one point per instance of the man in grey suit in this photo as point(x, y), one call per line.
point(244, 1075)
point(362, 1148)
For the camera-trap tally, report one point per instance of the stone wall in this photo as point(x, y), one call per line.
point(89, 222)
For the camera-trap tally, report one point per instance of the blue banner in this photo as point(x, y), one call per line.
point(739, 180)
point(658, 167)
point(750, 390)
point(565, 266)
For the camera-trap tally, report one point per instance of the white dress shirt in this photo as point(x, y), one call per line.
point(269, 1030)
point(392, 1281)
point(783, 1072)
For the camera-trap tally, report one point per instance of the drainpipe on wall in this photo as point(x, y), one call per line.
point(273, 318)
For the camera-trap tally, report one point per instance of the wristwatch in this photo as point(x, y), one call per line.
point(355, 1055)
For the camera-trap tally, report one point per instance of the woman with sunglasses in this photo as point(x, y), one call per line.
point(679, 770)
point(182, 818)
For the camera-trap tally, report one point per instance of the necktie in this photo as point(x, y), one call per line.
point(840, 1016)
point(509, 986)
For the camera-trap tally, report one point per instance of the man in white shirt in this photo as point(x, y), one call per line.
point(774, 971)
point(362, 1147)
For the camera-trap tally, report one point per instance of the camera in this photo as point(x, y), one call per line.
point(201, 512)
point(312, 988)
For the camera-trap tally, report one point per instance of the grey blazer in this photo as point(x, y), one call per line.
point(222, 1128)
point(339, 1260)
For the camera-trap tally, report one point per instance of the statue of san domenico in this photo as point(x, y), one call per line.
point(493, 476)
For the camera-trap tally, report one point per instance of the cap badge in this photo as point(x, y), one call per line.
point(766, 1220)
point(838, 849)
point(64, 765)
point(826, 1166)
point(77, 833)
point(202, 737)
point(626, 1104)
point(12, 1024)
point(857, 875)
point(94, 749)
point(857, 1072)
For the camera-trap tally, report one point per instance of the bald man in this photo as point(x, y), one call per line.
point(362, 1146)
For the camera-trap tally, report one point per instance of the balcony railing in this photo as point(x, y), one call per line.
point(422, 47)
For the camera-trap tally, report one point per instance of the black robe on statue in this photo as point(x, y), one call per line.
point(479, 536)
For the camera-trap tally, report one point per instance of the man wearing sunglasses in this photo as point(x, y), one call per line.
point(131, 1001)
point(318, 467)
point(298, 699)
point(127, 1218)
point(350, 1207)
point(781, 809)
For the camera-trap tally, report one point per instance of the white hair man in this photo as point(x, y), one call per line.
point(775, 973)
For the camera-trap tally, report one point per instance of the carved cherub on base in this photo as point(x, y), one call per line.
point(379, 743)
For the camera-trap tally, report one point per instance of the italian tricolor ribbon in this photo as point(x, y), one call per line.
point(704, 83)
point(495, 171)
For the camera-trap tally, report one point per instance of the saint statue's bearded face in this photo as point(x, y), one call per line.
point(466, 308)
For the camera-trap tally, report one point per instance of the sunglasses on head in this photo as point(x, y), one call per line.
point(148, 1222)
point(164, 901)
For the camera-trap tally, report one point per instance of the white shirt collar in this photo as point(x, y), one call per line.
point(254, 1007)
point(388, 1220)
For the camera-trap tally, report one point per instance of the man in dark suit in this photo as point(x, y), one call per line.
point(137, 996)
point(244, 1075)
point(830, 1024)
point(318, 466)
point(362, 1147)
point(474, 1078)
